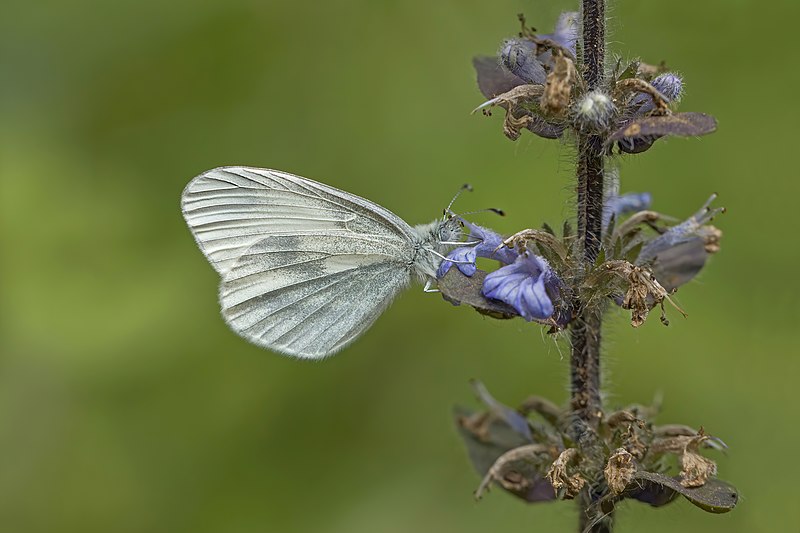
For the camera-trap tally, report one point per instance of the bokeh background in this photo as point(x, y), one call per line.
point(126, 405)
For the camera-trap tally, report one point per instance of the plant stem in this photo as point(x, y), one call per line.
point(585, 402)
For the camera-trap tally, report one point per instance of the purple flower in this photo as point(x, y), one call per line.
point(566, 31)
point(681, 252)
point(618, 205)
point(522, 58)
point(526, 282)
point(518, 62)
point(524, 285)
point(489, 245)
point(688, 230)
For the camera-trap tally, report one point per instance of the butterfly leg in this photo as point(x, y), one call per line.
point(428, 285)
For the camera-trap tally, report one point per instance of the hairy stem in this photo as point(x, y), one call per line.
point(585, 365)
point(594, 42)
point(585, 361)
point(585, 402)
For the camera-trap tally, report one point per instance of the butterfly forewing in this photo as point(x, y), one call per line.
point(306, 268)
point(231, 208)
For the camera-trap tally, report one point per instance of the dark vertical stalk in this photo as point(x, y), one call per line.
point(585, 399)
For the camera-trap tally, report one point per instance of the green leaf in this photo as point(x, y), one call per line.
point(567, 231)
point(601, 257)
point(629, 72)
point(633, 252)
point(617, 252)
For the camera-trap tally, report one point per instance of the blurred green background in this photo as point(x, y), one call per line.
point(126, 404)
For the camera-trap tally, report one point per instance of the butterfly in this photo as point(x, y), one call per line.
point(306, 268)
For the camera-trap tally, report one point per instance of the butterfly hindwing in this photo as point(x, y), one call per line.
point(297, 296)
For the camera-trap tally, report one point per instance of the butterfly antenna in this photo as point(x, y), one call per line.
point(465, 187)
point(488, 209)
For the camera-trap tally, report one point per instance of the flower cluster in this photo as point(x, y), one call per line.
point(528, 57)
point(535, 81)
point(526, 452)
point(636, 258)
point(644, 262)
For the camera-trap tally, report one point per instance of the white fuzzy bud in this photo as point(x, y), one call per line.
point(594, 111)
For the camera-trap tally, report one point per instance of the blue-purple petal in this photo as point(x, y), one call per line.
point(566, 31)
point(489, 245)
point(464, 258)
point(624, 204)
point(534, 296)
point(523, 285)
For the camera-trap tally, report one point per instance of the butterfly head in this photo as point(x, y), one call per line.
point(450, 228)
point(440, 237)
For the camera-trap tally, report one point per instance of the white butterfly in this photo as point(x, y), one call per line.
point(306, 268)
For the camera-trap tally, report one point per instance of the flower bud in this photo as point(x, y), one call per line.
point(669, 85)
point(595, 111)
point(519, 57)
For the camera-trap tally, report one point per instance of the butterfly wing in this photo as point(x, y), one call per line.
point(306, 268)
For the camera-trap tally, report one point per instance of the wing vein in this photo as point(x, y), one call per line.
point(346, 275)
